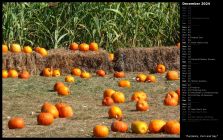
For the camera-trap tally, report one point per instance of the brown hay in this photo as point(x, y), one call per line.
point(146, 59)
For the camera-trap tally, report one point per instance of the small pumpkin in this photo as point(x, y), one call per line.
point(172, 75)
point(43, 52)
point(45, 118)
point(170, 100)
point(119, 74)
point(63, 91)
point(24, 75)
point(139, 95)
point(56, 73)
point(111, 56)
point(84, 47)
point(160, 68)
point(172, 127)
point(15, 48)
point(141, 77)
point(57, 85)
point(118, 97)
point(115, 112)
point(85, 75)
point(156, 126)
point(119, 126)
point(100, 131)
point(47, 72)
point(65, 111)
point(107, 101)
point(100, 73)
point(16, 123)
point(69, 78)
point(139, 127)
point(50, 108)
point(124, 83)
point(13, 73)
point(150, 78)
point(5, 74)
point(76, 71)
point(108, 92)
point(93, 46)
point(27, 49)
point(74, 46)
point(4, 48)
point(142, 105)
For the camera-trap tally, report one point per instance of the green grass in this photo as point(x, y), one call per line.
point(22, 97)
point(112, 25)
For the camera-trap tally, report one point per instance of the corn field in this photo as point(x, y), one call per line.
point(110, 24)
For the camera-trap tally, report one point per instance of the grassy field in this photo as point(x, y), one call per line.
point(112, 25)
point(22, 97)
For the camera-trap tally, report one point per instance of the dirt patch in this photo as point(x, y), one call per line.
point(146, 59)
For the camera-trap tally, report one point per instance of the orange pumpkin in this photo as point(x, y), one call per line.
point(36, 49)
point(119, 74)
point(150, 78)
point(124, 83)
point(141, 77)
point(69, 78)
point(43, 52)
point(93, 46)
point(118, 97)
point(65, 111)
point(63, 90)
point(13, 73)
point(60, 105)
point(156, 126)
point(115, 112)
point(101, 73)
point(45, 118)
point(108, 92)
point(111, 56)
point(142, 105)
point(107, 101)
point(170, 100)
point(5, 74)
point(100, 131)
point(56, 73)
point(15, 48)
point(178, 92)
point(84, 47)
point(50, 108)
point(74, 46)
point(27, 49)
point(172, 75)
point(16, 123)
point(119, 126)
point(85, 75)
point(76, 71)
point(57, 85)
point(173, 94)
point(172, 127)
point(160, 68)
point(24, 75)
point(47, 72)
point(4, 48)
point(139, 95)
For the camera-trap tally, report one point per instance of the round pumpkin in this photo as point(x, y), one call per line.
point(85, 75)
point(101, 131)
point(57, 85)
point(100, 73)
point(36, 49)
point(119, 74)
point(50, 108)
point(16, 123)
point(27, 49)
point(63, 90)
point(66, 111)
point(139, 95)
point(83, 47)
point(160, 68)
point(60, 105)
point(4, 48)
point(13, 73)
point(118, 97)
point(76, 71)
point(45, 118)
point(93, 46)
point(73, 46)
point(170, 101)
point(56, 73)
point(150, 78)
point(5, 74)
point(172, 75)
point(107, 101)
point(108, 92)
point(15, 48)
point(69, 78)
point(124, 83)
point(24, 75)
point(172, 127)
point(173, 94)
point(119, 126)
point(156, 126)
point(43, 52)
point(111, 56)
point(142, 105)
point(115, 112)
point(141, 77)
point(139, 127)
point(47, 72)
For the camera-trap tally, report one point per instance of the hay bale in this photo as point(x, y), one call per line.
point(61, 58)
point(146, 59)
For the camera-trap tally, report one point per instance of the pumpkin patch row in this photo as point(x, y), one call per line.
point(12, 73)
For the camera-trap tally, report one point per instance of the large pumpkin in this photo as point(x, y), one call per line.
point(45, 118)
point(172, 75)
point(101, 131)
point(172, 127)
point(65, 111)
point(118, 97)
point(119, 126)
point(16, 123)
point(139, 95)
point(115, 112)
point(156, 126)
